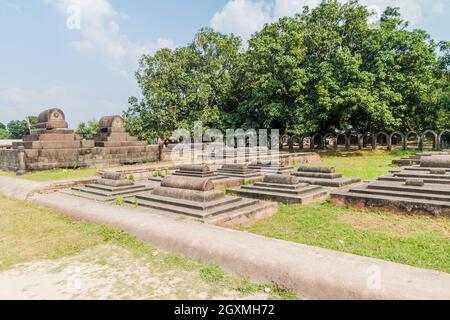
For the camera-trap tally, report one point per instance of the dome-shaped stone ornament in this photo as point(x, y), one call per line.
point(111, 122)
point(52, 119)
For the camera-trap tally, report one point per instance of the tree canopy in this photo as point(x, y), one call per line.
point(184, 85)
point(19, 128)
point(89, 129)
point(333, 68)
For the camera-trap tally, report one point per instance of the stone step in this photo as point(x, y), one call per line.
point(282, 196)
point(318, 175)
point(392, 202)
point(402, 194)
point(421, 174)
point(419, 168)
point(334, 183)
point(426, 189)
point(251, 213)
point(298, 191)
point(402, 180)
point(110, 195)
point(281, 186)
point(186, 203)
point(175, 208)
point(111, 188)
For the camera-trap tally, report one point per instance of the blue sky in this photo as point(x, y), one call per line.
point(80, 55)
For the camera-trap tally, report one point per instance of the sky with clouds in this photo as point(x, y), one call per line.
point(80, 55)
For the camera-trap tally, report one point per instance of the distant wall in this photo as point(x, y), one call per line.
point(9, 160)
point(98, 157)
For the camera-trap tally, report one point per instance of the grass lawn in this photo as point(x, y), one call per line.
point(30, 233)
point(414, 240)
point(419, 241)
point(54, 174)
point(363, 164)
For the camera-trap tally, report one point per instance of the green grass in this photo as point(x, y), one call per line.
point(29, 232)
point(414, 240)
point(53, 175)
point(363, 164)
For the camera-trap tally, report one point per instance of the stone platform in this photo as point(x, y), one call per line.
point(238, 170)
point(283, 188)
point(323, 176)
point(197, 198)
point(111, 186)
point(194, 170)
point(270, 168)
point(415, 159)
point(423, 189)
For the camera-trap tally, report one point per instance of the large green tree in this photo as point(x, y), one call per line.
point(331, 69)
point(19, 128)
point(4, 134)
point(89, 129)
point(184, 85)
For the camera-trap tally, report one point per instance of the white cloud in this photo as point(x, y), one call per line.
point(101, 33)
point(410, 10)
point(290, 7)
point(242, 17)
point(438, 8)
point(18, 102)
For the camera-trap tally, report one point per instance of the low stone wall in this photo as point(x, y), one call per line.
point(98, 157)
point(9, 160)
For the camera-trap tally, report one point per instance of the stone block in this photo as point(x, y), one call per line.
point(188, 183)
point(281, 179)
point(316, 169)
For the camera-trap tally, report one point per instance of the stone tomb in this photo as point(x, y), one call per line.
point(197, 198)
point(283, 188)
point(238, 170)
point(323, 176)
point(112, 134)
point(109, 187)
point(422, 190)
point(204, 171)
point(415, 159)
point(52, 144)
point(270, 167)
point(194, 170)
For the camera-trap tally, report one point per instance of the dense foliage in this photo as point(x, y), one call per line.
point(188, 84)
point(328, 69)
point(18, 128)
point(89, 129)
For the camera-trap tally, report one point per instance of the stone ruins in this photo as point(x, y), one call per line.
point(271, 167)
point(53, 145)
point(109, 187)
point(194, 170)
point(323, 176)
point(238, 170)
point(415, 159)
point(283, 188)
point(197, 198)
point(422, 189)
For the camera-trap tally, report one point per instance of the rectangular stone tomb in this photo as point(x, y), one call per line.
point(197, 198)
point(237, 170)
point(440, 176)
point(194, 170)
point(270, 168)
point(410, 196)
point(415, 159)
point(111, 186)
point(323, 176)
point(283, 188)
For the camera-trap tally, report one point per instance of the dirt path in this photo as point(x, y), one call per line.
point(107, 272)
